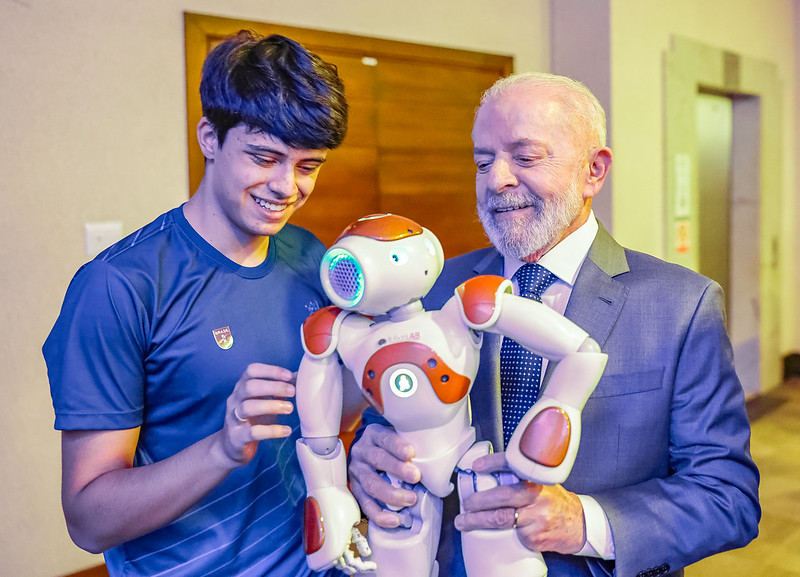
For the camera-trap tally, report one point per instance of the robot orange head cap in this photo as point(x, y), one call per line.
point(384, 227)
point(381, 262)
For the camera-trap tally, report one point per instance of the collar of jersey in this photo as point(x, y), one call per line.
point(204, 247)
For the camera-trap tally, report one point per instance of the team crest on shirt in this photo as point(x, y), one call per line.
point(223, 337)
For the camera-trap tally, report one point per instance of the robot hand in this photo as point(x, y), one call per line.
point(349, 564)
point(331, 514)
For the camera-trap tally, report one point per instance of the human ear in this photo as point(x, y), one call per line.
point(207, 138)
point(599, 165)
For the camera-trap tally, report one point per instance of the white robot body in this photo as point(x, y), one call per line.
point(417, 373)
point(421, 343)
point(416, 368)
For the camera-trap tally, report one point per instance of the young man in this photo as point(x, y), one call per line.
point(663, 476)
point(171, 363)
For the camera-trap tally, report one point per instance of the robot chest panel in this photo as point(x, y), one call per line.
point(410, 368)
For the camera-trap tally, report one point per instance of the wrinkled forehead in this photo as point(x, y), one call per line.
point(534, 113)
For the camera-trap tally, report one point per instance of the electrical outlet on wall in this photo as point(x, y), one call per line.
point(101, 235)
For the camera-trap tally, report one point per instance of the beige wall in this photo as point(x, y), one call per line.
point(641, 32)
point(793, 186)
point(93, 122)
point(92, 116)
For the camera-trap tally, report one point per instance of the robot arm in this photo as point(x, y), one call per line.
point(319, 380)
point(331, 513)
point(488, 303)
point(545, 443)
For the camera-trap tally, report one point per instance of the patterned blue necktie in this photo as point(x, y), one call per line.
point(520, 369)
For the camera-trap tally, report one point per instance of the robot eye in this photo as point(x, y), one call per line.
point(400, 257)
point(344, 275)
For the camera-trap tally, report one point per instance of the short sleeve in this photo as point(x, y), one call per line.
point(95, 352)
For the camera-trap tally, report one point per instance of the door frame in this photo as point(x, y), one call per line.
point(755, 88)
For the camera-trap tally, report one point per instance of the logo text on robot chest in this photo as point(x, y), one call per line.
point(391, 339)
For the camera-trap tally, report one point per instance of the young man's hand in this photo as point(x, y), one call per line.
point(261, 393)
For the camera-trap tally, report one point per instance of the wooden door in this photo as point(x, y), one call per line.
point(408, 149)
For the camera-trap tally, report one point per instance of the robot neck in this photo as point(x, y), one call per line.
point(406, 311)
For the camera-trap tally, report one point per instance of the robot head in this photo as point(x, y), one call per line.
point(381, 262)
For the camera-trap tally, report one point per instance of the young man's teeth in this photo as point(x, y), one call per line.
point(269, 206)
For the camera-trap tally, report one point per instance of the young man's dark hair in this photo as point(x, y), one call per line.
point(273, 85)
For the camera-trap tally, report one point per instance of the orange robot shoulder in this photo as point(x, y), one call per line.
point(479, 298)
point(320, 331)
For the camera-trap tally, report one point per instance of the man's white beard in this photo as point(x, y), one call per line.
point(542, 226)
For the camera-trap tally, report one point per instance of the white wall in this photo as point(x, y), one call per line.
point(640, 35)
point(793, 280)
point(92, 115)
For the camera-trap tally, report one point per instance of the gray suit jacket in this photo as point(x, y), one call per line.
point(665, 441)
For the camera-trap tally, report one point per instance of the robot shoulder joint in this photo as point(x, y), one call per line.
point(320, 331)
point(480, 299)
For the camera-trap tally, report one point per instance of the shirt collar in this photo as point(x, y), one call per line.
point(565, 259)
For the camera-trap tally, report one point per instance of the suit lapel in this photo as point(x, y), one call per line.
point(597, 298)
point(485, 397)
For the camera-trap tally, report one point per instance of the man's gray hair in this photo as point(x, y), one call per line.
point(573, 95)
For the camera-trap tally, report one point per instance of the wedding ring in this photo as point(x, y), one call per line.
point(516, 518)
point(236, 415)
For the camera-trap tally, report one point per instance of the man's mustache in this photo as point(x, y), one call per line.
point(515, 200)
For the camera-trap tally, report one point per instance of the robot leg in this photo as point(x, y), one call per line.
point(492, 551)
point(409, 551)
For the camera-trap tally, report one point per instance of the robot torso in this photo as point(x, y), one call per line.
point(418, 371)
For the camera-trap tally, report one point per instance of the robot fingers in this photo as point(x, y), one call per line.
point(349, 563)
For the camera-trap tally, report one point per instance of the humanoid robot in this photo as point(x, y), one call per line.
point(416, 368)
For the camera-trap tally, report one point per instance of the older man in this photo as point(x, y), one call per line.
point(664, 476)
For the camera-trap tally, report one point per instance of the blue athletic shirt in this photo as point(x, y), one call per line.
point(154, 333)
